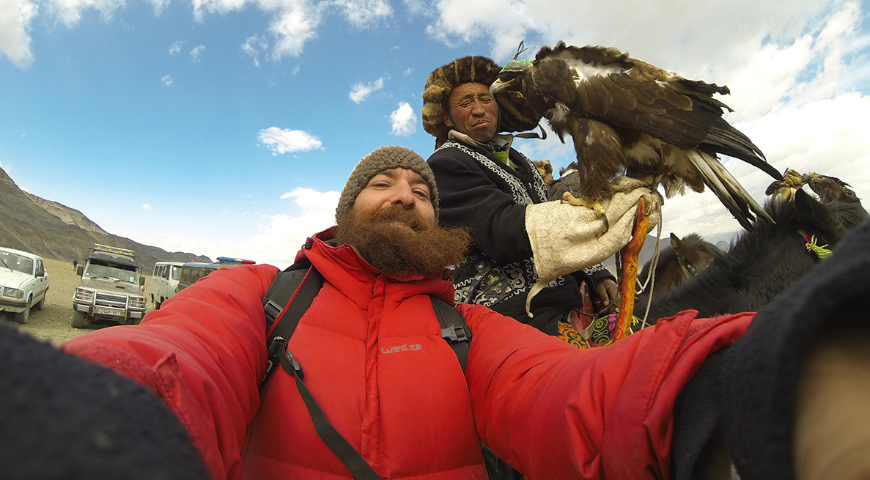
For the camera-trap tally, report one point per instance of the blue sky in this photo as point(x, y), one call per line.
point(228, 127)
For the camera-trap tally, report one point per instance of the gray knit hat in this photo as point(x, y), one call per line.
point(378, 161)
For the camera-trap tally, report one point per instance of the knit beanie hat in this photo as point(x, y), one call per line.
point(514, 109)
point(378, 161)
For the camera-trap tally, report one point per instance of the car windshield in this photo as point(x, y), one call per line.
point(111, 271)
point(17, 262)
point(176, 272)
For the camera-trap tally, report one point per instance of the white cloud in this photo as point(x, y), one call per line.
point(359, 92)
point(292, 22)
point(364, 13)
point(253, 46)
point(15, 19)
point(408, 71)
point(167, 80)
point(159, 6)
point(296, 25)
point(265, 238)
point(416, 7)
point(281, 235)
point(175, 47)
point(147, 207)
point(283, 141)
point(196, 52)
point(69, 12)
point(403, 119)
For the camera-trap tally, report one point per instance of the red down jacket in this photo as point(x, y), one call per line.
point(374, 359)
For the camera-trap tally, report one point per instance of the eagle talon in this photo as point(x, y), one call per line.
point(567, 197)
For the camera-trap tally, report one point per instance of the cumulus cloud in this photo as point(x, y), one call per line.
point(403, 119)
point(253, 46)
point(286, 140)
point(146, 207)
point(364, 13)
point(69, 12)
point(167, 80)
point(416, 7)
point(292, 22)
point(159, 6)
point(196, 52)
point(281, 235)
point(175, 47)
point(15, 19)
point(359, 92)
point(294, 27)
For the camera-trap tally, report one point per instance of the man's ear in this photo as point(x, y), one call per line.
point(447, 120)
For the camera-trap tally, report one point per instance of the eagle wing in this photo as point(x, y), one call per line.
point(627, 116)
point(610, 86)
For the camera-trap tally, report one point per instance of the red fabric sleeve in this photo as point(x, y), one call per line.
point(553, 411)
point(204, 353)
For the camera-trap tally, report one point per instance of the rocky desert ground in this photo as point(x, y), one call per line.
point(52, 324)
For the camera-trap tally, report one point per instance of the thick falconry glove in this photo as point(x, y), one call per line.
point(567, 238)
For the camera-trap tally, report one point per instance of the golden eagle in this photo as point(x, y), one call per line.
point(629, 117)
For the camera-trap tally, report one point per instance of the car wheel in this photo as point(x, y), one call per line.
point(41, 305)
point(77, 320)
point(24, 316)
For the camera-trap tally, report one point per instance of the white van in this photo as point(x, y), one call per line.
point(164, 281)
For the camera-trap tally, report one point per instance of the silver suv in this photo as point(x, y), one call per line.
point(111, 288)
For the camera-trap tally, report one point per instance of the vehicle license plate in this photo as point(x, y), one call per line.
point(109, 311)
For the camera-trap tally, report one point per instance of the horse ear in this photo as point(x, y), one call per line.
point(817, 218)
point(675, 241)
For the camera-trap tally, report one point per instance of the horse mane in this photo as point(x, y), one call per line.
point(759, 264)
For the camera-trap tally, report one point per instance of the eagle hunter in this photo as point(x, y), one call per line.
point(629, 117)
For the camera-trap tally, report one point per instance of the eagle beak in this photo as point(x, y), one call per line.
point(498, 86)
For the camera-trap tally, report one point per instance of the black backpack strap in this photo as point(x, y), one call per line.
point(286, 300)
point(330, 436)
point(454, 329)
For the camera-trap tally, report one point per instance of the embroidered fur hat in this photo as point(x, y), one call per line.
point(472, 69)
point(376, 162)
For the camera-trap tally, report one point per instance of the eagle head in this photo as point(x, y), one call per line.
point(507, 77)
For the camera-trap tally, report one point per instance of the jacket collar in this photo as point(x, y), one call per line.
point(498, 143)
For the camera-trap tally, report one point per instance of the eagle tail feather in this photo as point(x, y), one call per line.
point(735, 198)
point(727, 140)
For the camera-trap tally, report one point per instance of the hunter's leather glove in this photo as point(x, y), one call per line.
point(566, 238)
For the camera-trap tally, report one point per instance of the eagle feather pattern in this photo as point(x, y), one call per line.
point(629, 117)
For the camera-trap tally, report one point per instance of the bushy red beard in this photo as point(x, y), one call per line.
point(382, 239)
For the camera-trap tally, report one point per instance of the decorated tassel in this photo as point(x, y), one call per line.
point(821, 251)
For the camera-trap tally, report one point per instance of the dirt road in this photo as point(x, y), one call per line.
point(52, 324)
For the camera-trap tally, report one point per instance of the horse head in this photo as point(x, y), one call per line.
point(681, 261)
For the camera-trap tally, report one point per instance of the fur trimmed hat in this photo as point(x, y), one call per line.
point(378, 161)
point(470, 69)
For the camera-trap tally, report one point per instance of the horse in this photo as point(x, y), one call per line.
point(678, 263)
point(764, 262)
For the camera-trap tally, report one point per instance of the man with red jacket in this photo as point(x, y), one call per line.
point(374, 359)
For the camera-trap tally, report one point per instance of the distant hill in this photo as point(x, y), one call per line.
point(52, 230)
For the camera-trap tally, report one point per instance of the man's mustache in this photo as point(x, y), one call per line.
point(400, 215)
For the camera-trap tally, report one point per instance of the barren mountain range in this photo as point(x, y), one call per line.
point(52, 230)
